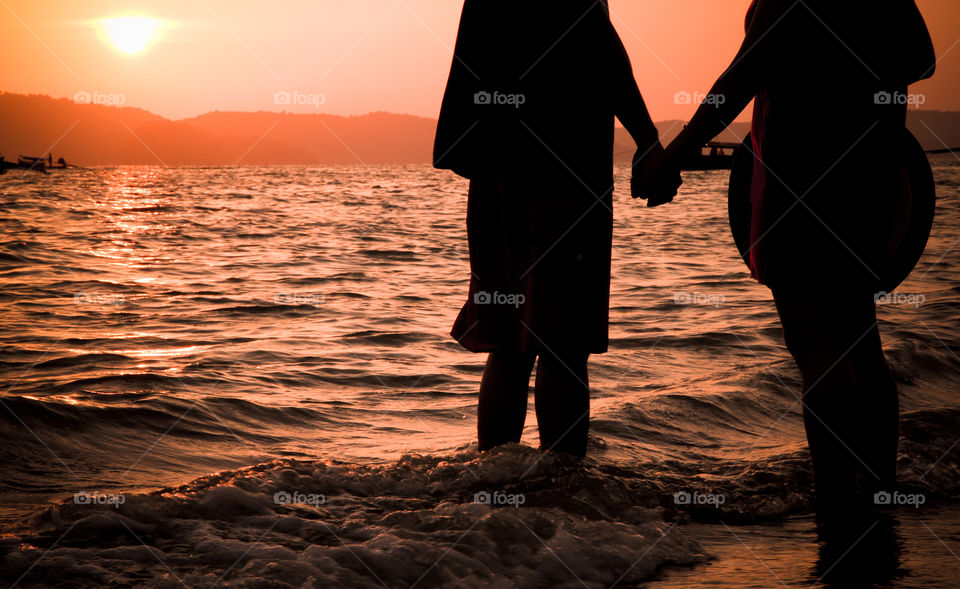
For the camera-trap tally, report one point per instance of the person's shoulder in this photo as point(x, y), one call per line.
point(782, 5)
point(766, 15)
point(779, 8)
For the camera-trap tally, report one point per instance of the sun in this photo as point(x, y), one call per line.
point(130, 35)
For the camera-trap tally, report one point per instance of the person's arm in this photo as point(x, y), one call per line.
point(742, 80)
point(629, 106)
point(631, 110)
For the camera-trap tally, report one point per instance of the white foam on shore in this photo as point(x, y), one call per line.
point(414, 522)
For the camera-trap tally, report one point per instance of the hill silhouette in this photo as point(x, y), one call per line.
point(96, 134)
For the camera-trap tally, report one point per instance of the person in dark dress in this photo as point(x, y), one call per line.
point(829, 80)
point(528, 118)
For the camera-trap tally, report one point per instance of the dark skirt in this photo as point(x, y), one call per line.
point(540, 263)
point(823, 213)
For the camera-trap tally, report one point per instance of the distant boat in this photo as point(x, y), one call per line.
point(719, 155)
point(35, 164)
point(22, 164)
point(46, 162)
point(715, 155)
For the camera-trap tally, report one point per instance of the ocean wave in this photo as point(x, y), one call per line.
point(151, 209)
point(387, 339)
point(137, 414)
point(286, 310)
point(510, 516)
point(18, 258)
point(391, 255)
point(83, 359)
point(437, 520)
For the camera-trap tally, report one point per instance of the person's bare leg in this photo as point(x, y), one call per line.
point(817, 336)
point(563, 403)
point(829, 424)
point(502, 408)
point(879, 401)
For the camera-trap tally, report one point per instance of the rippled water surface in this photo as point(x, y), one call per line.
point(161, 324)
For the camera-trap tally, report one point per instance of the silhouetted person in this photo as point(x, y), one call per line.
point(528, 117)
point(829, 79)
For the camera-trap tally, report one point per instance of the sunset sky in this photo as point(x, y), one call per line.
point(181, 58)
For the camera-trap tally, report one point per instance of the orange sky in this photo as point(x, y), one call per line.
point(356, 56)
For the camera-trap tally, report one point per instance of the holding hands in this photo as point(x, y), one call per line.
point(656, 175)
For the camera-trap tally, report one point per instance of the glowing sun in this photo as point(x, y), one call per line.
point(130, 34)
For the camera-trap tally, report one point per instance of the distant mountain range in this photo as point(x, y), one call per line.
point(97, 134)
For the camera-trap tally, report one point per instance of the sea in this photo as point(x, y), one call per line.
point(243, 377)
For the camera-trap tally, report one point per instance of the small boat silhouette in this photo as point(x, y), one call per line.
point(35, 164)
point(715, 155)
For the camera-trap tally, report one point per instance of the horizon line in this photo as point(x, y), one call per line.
point(298, 113)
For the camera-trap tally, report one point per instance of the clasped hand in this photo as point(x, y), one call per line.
point(656, 176)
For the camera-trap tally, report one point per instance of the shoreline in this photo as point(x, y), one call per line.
point(574, 522)
point(916, 548)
